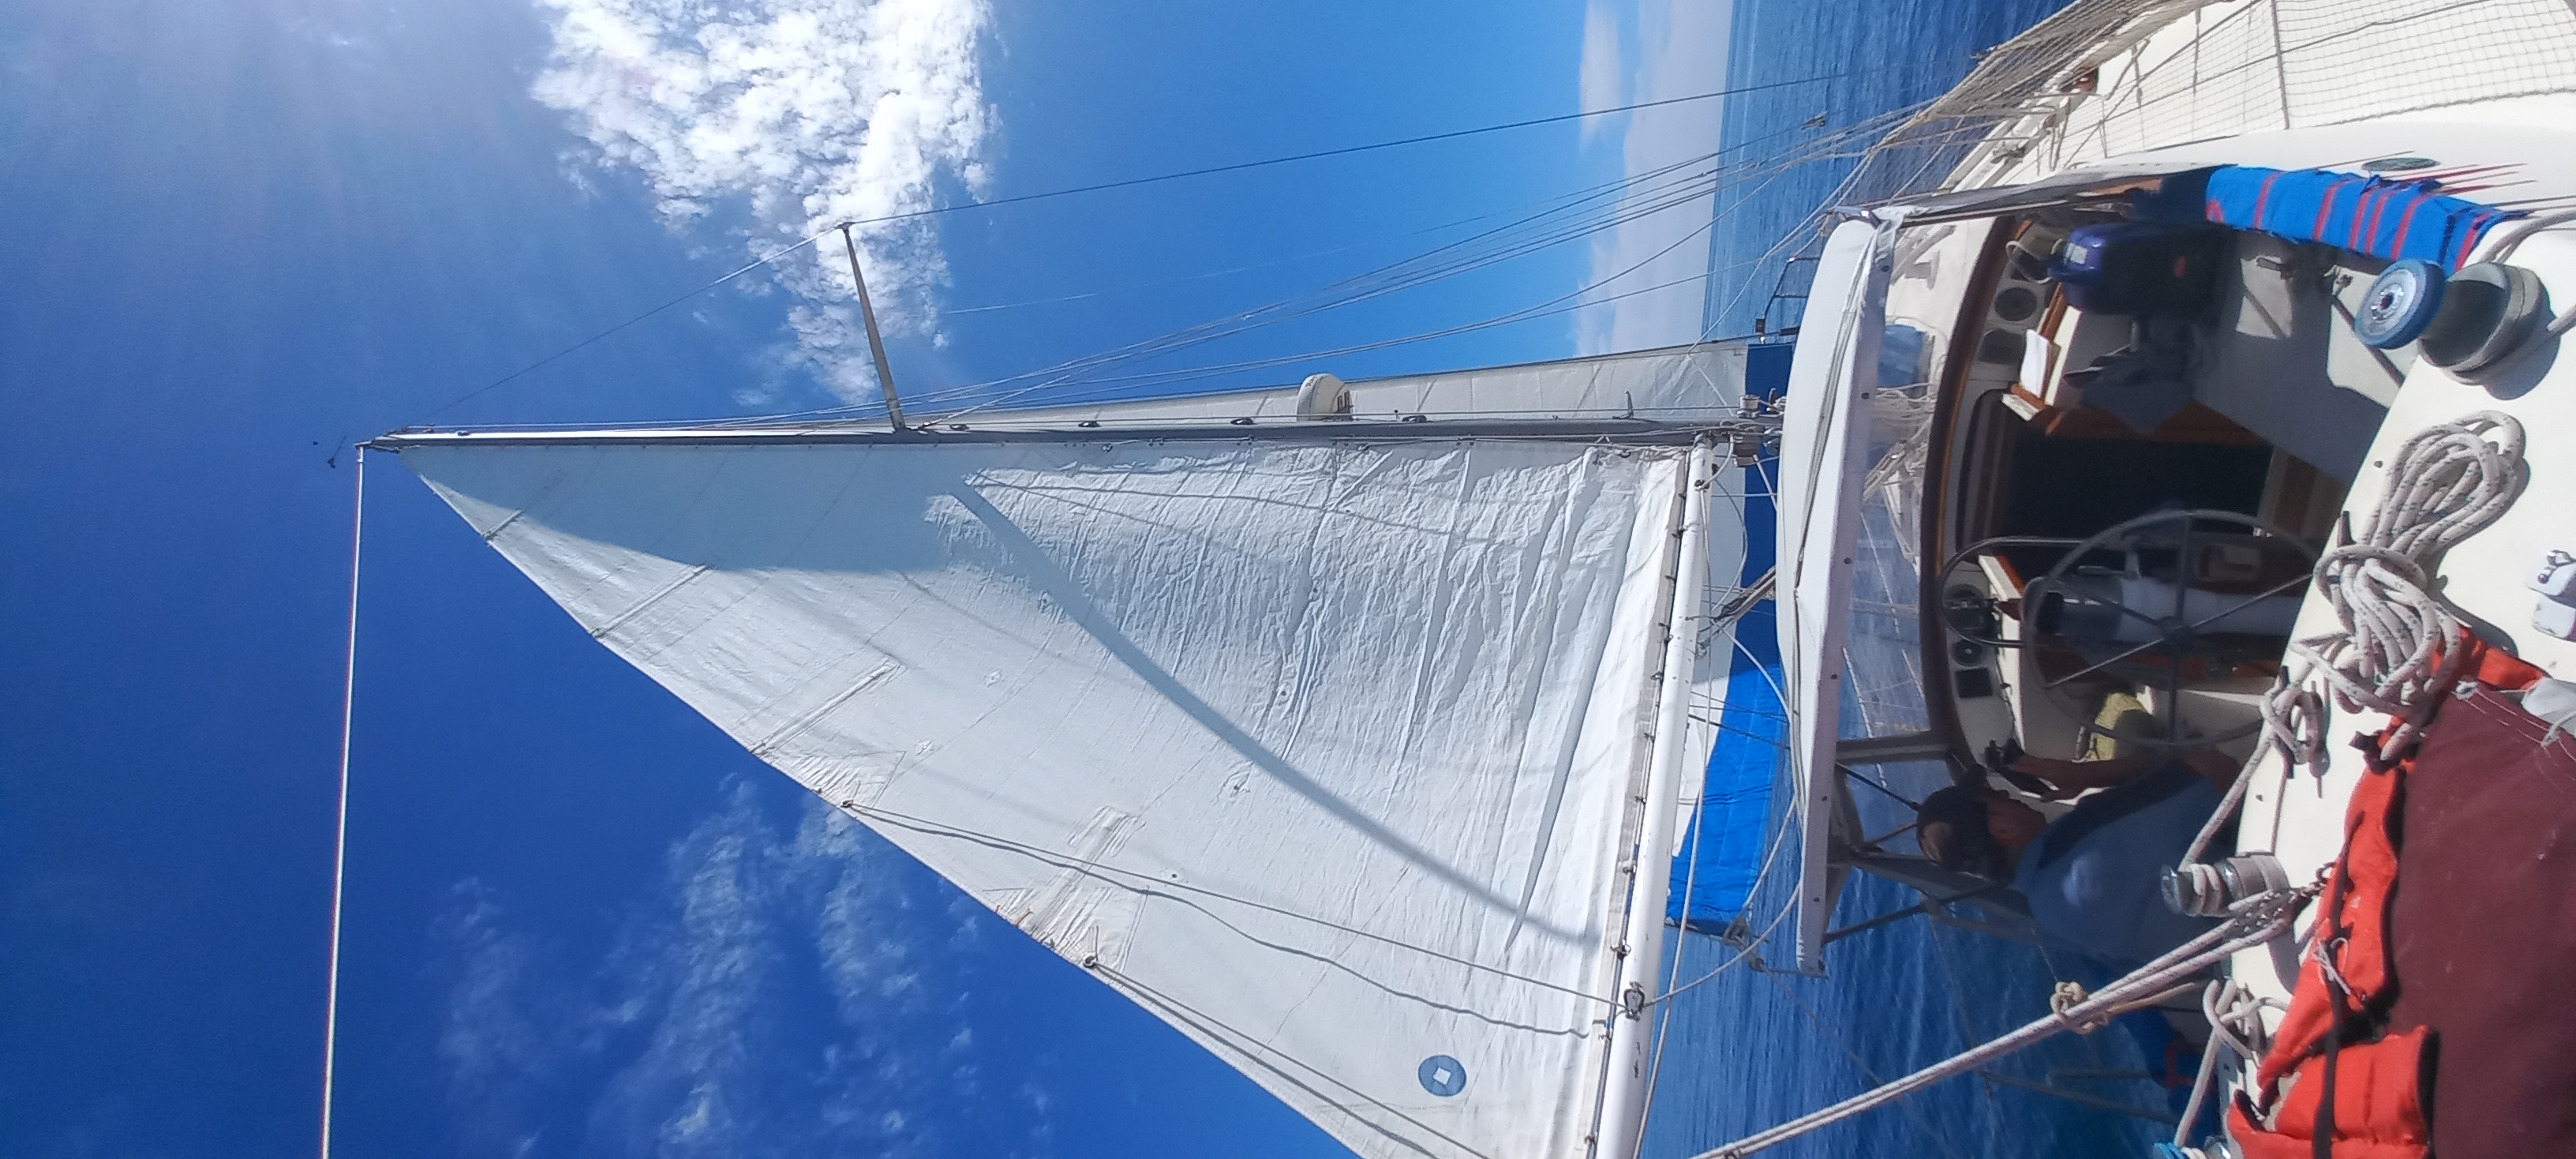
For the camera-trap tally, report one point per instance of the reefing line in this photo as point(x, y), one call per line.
point(340, 839)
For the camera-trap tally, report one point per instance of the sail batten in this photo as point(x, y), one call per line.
point(1324, 751)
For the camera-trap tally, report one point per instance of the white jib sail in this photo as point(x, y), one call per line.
point(1325, 753)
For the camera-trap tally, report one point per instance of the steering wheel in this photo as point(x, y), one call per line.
point(2108, 633)
point(1967, 610)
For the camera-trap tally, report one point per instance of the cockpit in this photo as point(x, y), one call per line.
point(2142, 399)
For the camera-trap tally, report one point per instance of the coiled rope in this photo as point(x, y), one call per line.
point(2393, 645)
point(2235, 1023)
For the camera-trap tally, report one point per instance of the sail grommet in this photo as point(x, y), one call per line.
point(1442, 1075)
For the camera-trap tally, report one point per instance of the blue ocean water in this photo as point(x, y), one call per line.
point(1749, 1048)
point(1879, 56)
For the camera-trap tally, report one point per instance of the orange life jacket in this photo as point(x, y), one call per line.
point(2335, 1084)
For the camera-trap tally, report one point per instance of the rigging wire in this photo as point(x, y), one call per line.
point(1391, 278)
point(1959, 1002)
point(1912, 1112)
point(340, 839)
point(773, 257)
point(1087, 295)
point(1807, 227)
point(1425, 139)
point(1528, 313)
point(1770, 858)
point(1681, 946)
point(1549, 308)
point(1359, 286)
point(1742, 953)
point(1405, 273)
point(1572, 197)
point(1139, 181)
point(1632, 206)
point(1690, 887)
point(576, 347)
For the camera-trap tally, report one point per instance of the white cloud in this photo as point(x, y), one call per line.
point(1602, 81)
point(1684, 54)
point(697, 1032)
point(806, 113)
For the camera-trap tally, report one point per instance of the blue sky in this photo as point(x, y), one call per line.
point(581, 921)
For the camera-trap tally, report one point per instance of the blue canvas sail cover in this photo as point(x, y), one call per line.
point(1720, 853)
point(2393, 219)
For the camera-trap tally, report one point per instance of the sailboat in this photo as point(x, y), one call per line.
point(1348, 727)
point(2239, 370)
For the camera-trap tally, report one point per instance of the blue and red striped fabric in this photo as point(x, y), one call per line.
point(2393, 219)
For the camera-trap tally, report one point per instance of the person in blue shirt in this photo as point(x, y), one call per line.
point(2093, 877)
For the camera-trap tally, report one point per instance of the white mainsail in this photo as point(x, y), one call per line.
point(1697, 383)
point(1327, 752)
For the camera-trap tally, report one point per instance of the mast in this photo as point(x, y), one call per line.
point(876, 345)
point(1623, 1097)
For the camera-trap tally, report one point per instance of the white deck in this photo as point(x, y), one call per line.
point(2307, 84)
point(2300, 819)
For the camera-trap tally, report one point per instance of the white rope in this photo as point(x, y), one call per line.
point(340, 840)
point(2398, 637)
point(2235, 1017)
point(2393, 648)
point(2503, 242)
point(2063, 999)
point(2260, 921)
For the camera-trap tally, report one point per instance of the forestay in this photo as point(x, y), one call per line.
point(1323, 752)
